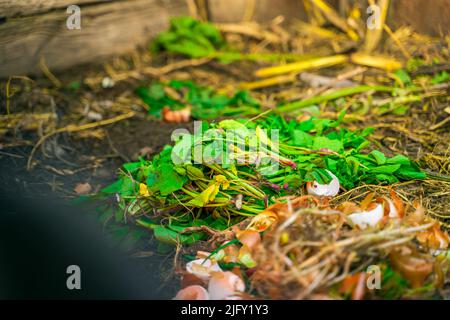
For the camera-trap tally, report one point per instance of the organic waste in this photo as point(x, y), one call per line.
point(259, 184)
point(309, 249)
point(215, 179)
point(317, 166)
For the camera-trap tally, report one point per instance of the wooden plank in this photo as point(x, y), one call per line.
point(113, 27)
point(12, 8)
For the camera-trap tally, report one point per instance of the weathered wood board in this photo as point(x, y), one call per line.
point(11, 8)
point(31, 29)
point(107, 27)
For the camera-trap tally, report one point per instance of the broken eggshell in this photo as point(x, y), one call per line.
point(194, 292)
point(250, 238)
point(202, 268)
point(324, 190)
point(225, 285)
point(368, 218)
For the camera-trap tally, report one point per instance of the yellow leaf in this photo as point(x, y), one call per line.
point(222, 180)
point(143, 190)
point(205, 196)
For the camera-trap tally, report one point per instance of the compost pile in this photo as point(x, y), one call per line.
point(318, 166)
point(296, 246)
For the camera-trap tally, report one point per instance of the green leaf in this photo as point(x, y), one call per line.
point(294, 180)
point(321, 142)
point(320, 175)
point(182, 151)
point(125, 186)
point(194, 173)
point(167, 236)
point(164, 235)
point(398, 159)
point(131, 166)
point(189, 37)
point(440, 77)
point(232, 125)
point(379, 157)
point(301, 139)
point(403, 76)
point(387, 178)
point(168, 180)
point(386, 169)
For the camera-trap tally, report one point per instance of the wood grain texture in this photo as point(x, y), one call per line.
point(11, 8)
point(31, 29)
point(111, 27)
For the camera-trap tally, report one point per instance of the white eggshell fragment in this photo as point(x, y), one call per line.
point(366, 219)
point(202, 268)
point(324, 190)
point(393, 212)
point(225, 285)
point(194, 292)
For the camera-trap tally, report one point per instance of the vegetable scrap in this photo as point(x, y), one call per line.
point(308, 249)
point(232, 169)
point(285, 183)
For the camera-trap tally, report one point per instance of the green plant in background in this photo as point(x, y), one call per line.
point(206, 103)
point(190, 37)
point(196, 39)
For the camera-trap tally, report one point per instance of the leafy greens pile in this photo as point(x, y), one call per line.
point(171, 193)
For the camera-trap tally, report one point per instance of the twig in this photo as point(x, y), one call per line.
point(48, 73)
point(75, 128)
point(399, 44)
point(8, 95)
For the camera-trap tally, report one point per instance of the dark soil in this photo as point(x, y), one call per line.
point(70, 161)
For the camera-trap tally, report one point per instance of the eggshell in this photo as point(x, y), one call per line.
point(194, 292)
point(324, 190)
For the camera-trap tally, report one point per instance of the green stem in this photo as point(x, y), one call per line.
point(277, 179)
point(293, 106)
point(437, 176)
point(251, 209)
